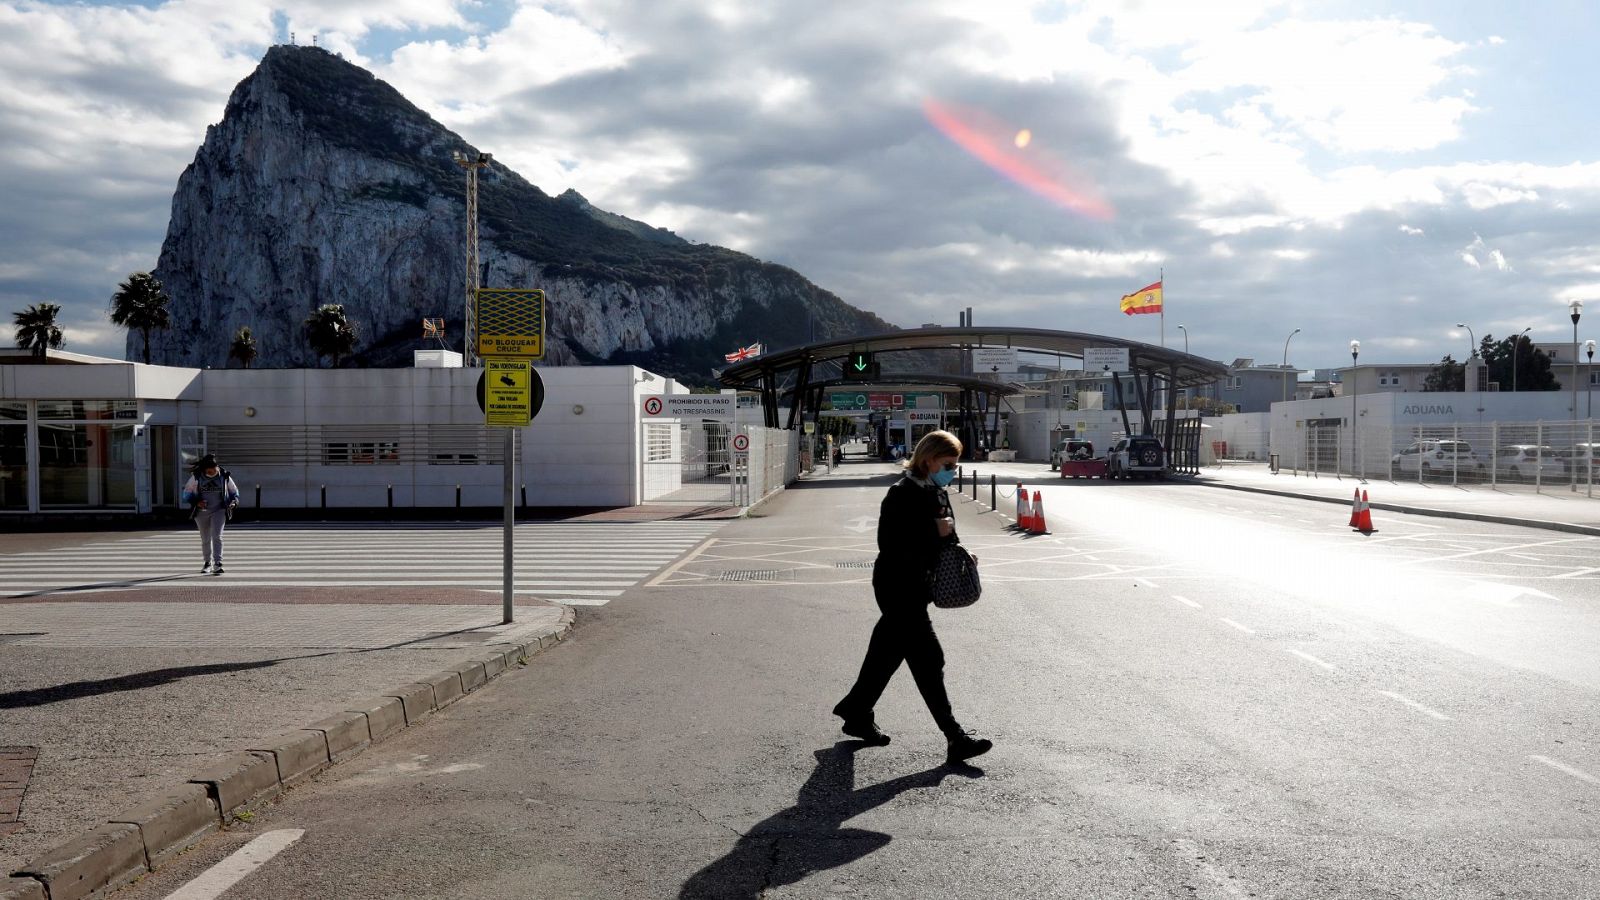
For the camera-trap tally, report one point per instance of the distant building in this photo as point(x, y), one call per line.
point(1384, 378)
point(1250, 388)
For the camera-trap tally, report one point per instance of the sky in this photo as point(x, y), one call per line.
point(1370, 171)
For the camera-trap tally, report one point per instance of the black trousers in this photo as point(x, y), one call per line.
point(903, 634)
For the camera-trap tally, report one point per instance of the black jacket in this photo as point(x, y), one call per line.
point(908, 540)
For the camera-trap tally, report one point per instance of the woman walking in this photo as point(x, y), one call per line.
point(211, 495)
point(914, 522)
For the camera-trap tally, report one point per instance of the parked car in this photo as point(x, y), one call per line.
point(1070, 448)
point(1528, 462)
point(1439, 458)
point(1573, 458)
point(1132, 456)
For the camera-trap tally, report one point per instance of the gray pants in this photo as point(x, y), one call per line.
point(211, 522)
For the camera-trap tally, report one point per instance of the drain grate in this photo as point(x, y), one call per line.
point(852, 565)
point(755, 575)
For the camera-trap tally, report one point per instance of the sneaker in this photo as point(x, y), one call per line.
point(205, 567)
point(217, 570)
point(867, 730)
point(965, 746)
point(862, 727)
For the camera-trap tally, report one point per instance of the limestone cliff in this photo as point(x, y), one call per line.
point(322, 184)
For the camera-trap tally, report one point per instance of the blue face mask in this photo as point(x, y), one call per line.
point(943, 477)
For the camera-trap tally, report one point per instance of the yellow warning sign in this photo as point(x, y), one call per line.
point(510, 322)
point(507, 392)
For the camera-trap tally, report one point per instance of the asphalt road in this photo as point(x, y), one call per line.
point(1193, 693)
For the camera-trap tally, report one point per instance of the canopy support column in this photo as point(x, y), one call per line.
point(802, 393)
point(1116, 384)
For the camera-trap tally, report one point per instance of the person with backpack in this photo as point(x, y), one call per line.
point(915, 520)
point(212, 496)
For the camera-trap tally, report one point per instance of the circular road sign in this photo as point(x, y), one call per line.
point(741, 443)
point(652, 406)
point(535, 391)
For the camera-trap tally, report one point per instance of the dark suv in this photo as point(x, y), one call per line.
point(1140, 455)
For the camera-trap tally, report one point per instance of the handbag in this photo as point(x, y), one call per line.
point(954, 580)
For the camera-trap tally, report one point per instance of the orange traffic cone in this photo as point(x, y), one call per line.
point(1037, 525)
point(1355, 509)
point(1024, 510)
point(1364, 517)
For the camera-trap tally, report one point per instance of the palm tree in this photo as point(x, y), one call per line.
point(244, 347)
point(37, 328)
point(141, 304)
point(330, 333)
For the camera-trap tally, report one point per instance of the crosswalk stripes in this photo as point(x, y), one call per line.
point(581, 563)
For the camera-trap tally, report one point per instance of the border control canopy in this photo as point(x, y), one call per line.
point(799, 371)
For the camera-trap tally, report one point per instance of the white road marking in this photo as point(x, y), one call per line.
point(1146, 582)
point(704, 546)
point(1311, 659)
point(1563, 767)
point(1226, 884)
point(1525, 556)
point(213, 881)
point(1187, 602)
point(1416, 706)
point(1234, 624)
point(1468, 551)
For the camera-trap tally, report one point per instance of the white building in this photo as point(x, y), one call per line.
point(83, 433)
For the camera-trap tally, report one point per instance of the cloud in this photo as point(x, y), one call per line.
point(1477, 253)
point(1284, 171)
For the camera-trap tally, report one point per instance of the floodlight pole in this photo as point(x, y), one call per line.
point(472, 164)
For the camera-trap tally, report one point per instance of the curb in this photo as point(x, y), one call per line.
point(145, 838)
point(1569, 527)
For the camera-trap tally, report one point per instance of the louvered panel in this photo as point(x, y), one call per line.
point(260, 445)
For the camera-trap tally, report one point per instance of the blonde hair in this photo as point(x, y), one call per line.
point(933, 445)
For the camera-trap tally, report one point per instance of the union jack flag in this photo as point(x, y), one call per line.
point(744, 353)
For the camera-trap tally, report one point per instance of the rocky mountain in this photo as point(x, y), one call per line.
point(322, 184)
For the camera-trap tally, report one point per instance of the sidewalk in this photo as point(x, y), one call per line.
point(114, 699)
point(1557, 508)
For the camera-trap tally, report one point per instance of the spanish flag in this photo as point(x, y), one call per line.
point(1144, 301)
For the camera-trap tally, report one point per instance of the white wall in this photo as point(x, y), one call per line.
point(566, 457)
point(1247, 434)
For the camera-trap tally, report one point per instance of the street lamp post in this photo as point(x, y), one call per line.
point(1356, 433)
point(1355, 424)
point(1185, 338)
point(1472, 352)
point(1515, 344)
point(1286, 362)
point(1589, 388)
point(1577, 312)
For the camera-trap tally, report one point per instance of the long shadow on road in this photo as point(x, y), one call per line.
point(139, 681)
point(809, 836)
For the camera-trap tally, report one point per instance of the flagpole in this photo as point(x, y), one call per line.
point(1161, 279)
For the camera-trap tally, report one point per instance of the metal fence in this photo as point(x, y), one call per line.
point(698, 462)
point(1534, 456)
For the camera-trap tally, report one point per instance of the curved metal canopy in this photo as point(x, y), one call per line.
point(1184, 369)
point(903, 382)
